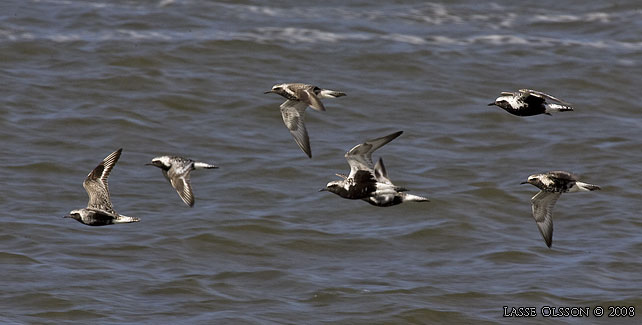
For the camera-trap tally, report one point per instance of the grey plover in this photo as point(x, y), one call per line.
point(552, 185)
point(99, 211)
point(299, 96)
point(367, 183)
point(177, 170)
point(527, 102)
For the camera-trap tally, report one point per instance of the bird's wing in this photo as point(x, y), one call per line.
point(293, 113)
point(343, 176)
point(360, 156)
point(380, 172)
point(307, 95)
point(363, 184)
point(182, 186)
point(96, 183)
point(563, 175)
point(542, 204)
point(526, 92)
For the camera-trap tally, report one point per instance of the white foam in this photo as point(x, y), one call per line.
point(499, 39)
point(165, 3)
point(600, 17)
point(410, 39)
point(17, 35)
point(65, 37)
point(268, 11)
point(304, 35)
point(434, 14)
point(145, 35)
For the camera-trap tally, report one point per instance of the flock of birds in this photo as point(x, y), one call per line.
point(366, 181)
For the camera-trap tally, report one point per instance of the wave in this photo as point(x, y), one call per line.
point(423, 24)
point(293, 35)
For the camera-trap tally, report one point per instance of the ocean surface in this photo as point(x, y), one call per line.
point(80, 79)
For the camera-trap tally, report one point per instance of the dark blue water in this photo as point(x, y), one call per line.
point(262, 245)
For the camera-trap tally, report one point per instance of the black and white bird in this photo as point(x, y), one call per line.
point(367, 183)
point(299, 96)
point(99, 211)
point(176, 170)
point(527, 102)
point(552, 185)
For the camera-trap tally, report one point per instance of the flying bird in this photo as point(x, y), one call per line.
point(552, 185)
point(298, 97)
point(527, 102)
point(99, 211)
point(177, 171)
point(369, 183)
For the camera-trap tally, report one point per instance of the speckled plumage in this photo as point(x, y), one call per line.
point(177, 171)
point(299, 96)
point(528, 102)
point(552, 185)
point(99, 210)
point(369, 183)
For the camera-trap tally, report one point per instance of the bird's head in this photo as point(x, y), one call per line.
point(334, 187)
point(501, 102)
point(161, 162)
point(277, 89)
point(533, 179)
point(75, 214)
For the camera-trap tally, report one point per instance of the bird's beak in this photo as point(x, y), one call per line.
point(491, 104)
point(67, 216)
point(149, 164)
point(524, 183)
point(268, 92)
point(323, 189)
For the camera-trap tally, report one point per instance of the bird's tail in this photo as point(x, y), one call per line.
point(126, 219)
point(558, 108)
point(406, 197)
point(202, 165)
point(326, 93)
point(587, 187)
